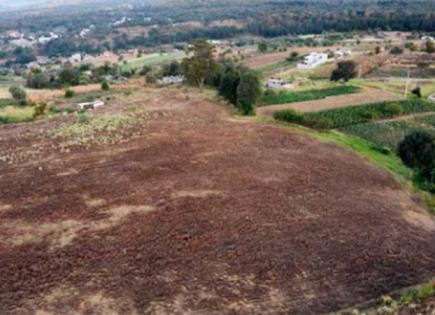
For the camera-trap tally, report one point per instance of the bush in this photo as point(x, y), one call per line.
point(321, 123)
point(417, 92)
point(39, 109)
point(396, 51)
point(393, 109)
point(69, 93)
point(18, 94)
point(289, 115)
point(150, 78)
point(105, 86)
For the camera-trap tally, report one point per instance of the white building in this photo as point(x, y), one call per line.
point(176, 79)
point(90, 105)
point(342, 53)
point(427, 38)
point(313, 60)
point(45, 39)
point(277, 84)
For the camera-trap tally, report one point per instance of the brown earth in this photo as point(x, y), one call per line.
point(201, 214)
point(332, 102)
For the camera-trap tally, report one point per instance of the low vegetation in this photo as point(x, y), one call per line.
point(270, 97)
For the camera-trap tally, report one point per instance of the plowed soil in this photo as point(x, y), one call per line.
point(202, 214)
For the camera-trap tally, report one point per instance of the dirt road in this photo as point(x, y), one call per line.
point(332, 102)
point(202, 215)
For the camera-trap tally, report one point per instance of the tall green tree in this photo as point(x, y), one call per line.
point(248, 91)
point(201, 66)
point(345, 70)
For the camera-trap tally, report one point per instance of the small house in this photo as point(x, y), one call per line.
point(90, 105)
point(313, 60)
point(169, 80)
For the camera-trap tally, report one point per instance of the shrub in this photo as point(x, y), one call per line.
point(150, 78)
point(289, 115)
point(417, 91)
point(321, 123)
point(105, 86)
point(393, 109)
point(18, 94)
point(396, 51)
point(39, 109)
point(69, 93)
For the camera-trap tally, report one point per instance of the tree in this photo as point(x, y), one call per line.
point(417, 91)
point(417, 150)
point(396, 50)
point(262, 47)
point(172, 69)
point(345, 70)
point(38, 81)
point(69, 76)
point(18, 94)
point(201, 67)
point(69, 93)
point(248, 91)
point(377, 50)
point(430, 47)
point(105, 86)
point(229, 83)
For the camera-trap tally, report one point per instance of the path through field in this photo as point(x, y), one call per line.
point(332, 102)
point(202, 215)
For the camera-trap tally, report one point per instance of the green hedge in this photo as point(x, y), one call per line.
point(342, 117)
point(282, 97)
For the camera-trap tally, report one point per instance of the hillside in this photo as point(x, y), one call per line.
point(162, 203)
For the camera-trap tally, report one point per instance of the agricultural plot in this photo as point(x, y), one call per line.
point(389, 134)
point(348, 116)
point(138, 63)
point(283, 97)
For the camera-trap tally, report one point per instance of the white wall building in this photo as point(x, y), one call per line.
point(313, 60)
point(90, 105)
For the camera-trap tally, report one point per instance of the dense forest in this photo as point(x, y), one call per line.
point(166, 23)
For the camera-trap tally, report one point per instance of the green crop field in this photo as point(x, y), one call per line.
point(283, 97)
point(349, 116)
point(151, 60)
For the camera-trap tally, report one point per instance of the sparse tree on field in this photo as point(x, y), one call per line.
point(345, 70)
point(377, 50)
point(201, 67)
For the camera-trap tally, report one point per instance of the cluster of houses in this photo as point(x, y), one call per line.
point(18, 39)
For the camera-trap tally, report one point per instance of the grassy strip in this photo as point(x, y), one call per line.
point(342, 117)
point(398, 300)
point(12, 114)
point(283, 97)
point(151, 60)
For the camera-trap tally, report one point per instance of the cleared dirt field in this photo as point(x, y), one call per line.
point(201, 214)
point(363, 98)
